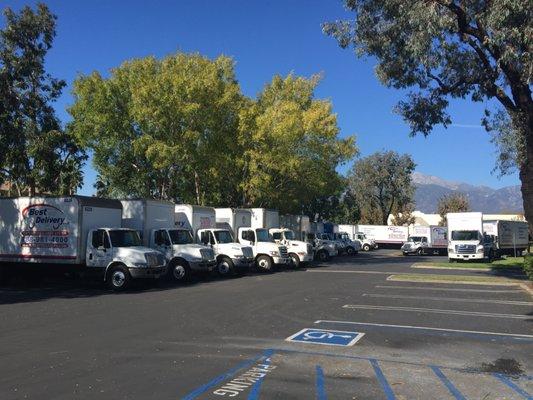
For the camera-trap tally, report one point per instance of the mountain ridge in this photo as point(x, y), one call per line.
point(429, 189)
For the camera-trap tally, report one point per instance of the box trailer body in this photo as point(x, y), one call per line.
point(385, 235)
point(466, 239)
point(426, 240)
point(250, 228)
point(77, 231)
point(299, 224)
point(511, 237)
point(231, 258)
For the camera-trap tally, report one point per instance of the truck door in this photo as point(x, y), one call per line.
point(162, 243)
point(99, 249)
point(247, 237)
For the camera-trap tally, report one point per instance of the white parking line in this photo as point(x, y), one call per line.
point(356, 272)
point(449, 289)
point(435, 311)
point(519, 335)
point(460, 300)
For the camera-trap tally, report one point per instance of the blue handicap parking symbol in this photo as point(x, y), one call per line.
point(326, 336)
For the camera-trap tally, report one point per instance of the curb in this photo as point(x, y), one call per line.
point(451, 268)
point(399, 278)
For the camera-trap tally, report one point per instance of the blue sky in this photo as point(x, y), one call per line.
point(266, 38)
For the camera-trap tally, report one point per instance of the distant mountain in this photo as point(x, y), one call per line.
point(429, 189)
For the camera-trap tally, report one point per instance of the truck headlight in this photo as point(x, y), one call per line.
point(480, 249)
point(274, 253)
point(451, 250)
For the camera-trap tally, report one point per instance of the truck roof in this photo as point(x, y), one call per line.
point(82, 200)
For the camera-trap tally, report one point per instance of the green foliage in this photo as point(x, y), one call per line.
point(37, 155)
point(164, 129)
point(404, 216)
point(382, 183)
point(527, 266)
point(180, 129)
point(291, 146)
point(453, 49)
point(451, 203)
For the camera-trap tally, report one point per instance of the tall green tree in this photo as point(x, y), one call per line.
point(383, 184)
point(164, 129)
point(447, 49)
point(37, 155)
point(456, 202)
point(291, 146)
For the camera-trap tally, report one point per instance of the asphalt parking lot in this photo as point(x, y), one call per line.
point(228, 338)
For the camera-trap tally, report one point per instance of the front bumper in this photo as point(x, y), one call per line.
point(332, 253)
point(203, 266)
point(281, 260)
point(146, 273)
point(243, 264)
point(306, 258)
point(475, 256)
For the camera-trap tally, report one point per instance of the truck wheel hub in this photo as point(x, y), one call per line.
point(118, 278)
point(178, 271)
point(223, 267)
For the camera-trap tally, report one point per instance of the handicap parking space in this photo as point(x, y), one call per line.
point(306, 374)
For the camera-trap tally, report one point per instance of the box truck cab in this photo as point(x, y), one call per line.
point(155, 221)
point(74, 234)
point(351, 246)
point(248, 230)
point(232, 258)
point(426, 240)
point(299, 252)
point(466, 240)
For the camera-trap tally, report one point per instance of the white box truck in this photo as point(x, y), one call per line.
point(299, 224)
point(248, 229)
point(426, 240)
point(510, 237)
point(465, 238)
point(323, 247)
point(385, 235)
point(232, 258)
point(156, 222)
point(300, 251)
point(358, 237)
point(74, 233)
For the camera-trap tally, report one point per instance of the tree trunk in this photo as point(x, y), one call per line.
point(197, 188)
point(526, 178)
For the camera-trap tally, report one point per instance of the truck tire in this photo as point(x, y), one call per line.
point(225, 267)
point(295, 260)
point(265, 263)
point(322, 255)
point(118, 278)
point(350, 250)
point(420, 252)
point(179, 271)
point(491, 256)
point(366, 247)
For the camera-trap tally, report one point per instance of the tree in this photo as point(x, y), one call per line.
point(454, 49)
point(291, 146)
point(164, 129)
point(456, 202)
point(404, 216)
point(38, 156)
point(382, 183)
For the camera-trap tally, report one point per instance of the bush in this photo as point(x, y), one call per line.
point(528, 266)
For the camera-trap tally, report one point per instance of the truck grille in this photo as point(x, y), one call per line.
point(207, 254)
point(247, 252)
point(154, 259)
point(283, 251)
point(465, 249)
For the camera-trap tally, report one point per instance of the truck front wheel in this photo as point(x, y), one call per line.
point(295, 260)
point(225, 267)
point(264, 263)
point(322, 255)
point(118, 278)
point(179, 271)
point(366, 247)
point(350, 251)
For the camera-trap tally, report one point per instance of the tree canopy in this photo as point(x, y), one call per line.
point(382, 183)
point(180, 129)
point(38, 156)
point(446, 49)
point(456, 202)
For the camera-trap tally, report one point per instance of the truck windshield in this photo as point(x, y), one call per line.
point(289, 235)
point(223, 237)
point(415, 239)
point(263, 236)
point(124, 238)
point(180, 236)
point(465, 235)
